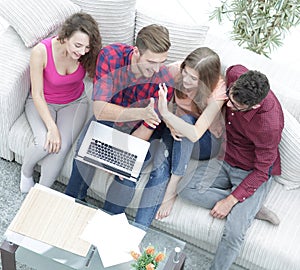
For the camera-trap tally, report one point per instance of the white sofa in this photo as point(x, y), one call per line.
point(266, 246)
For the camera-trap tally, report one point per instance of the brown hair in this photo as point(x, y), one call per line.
point(85, 23)
point(154, 38)
point(208, 66)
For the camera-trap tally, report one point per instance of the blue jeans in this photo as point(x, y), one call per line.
point(213, 181)
point(172, 157)
point(120, 192)
point(82, 173)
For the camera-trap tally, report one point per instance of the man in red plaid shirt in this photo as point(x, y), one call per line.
point(126, 85)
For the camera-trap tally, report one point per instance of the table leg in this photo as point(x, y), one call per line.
point(8, 258)
point(175, 261)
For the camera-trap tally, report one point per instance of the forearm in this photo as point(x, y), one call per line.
point(115, 113)
point(143, 132)
point(249, 185)
point(194, 132)
point(182, 127)
point(43, 110)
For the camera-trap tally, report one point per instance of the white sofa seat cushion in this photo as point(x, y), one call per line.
point(35, 20)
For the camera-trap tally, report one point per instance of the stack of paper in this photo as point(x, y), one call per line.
point(113, 236)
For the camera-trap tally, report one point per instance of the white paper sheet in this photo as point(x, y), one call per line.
point(113, 236)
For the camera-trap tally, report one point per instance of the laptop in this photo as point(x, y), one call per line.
point(113, 151)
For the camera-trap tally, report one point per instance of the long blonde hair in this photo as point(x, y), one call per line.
point(208, 66)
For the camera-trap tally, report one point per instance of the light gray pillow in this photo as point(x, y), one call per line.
point(184, 38)
point(34, 20)
point(116, 18)
point(289, 148)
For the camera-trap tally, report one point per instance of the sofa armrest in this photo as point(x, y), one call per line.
point(14, 85)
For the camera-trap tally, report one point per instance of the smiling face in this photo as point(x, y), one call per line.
point(78, 44)
point(190, 78)
point(149, 63)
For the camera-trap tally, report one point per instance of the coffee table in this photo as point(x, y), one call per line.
point(59, 259)
point(45, 234)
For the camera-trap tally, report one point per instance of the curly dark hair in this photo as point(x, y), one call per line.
point(85, 23)
point(250, 88)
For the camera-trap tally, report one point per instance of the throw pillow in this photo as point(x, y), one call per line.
point(184, 38)
point(289, 148)
point(35, 20)
point(116, 18)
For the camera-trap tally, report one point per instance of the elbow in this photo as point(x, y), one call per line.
point(194, 138)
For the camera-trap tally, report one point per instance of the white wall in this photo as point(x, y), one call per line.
point(197, 12)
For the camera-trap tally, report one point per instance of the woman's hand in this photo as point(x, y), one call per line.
point(219, 92)
point(162, 101)
point(176, 135)
point(53, 140)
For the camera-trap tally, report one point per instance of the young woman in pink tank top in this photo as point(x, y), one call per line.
point(57, 106)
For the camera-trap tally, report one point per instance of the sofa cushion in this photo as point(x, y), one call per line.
point(115, 18)
point(14, 84)
point(34, 26)
point(184, 38)
point(290, 152)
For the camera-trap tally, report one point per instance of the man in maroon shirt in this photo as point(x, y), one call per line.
point(236, 185)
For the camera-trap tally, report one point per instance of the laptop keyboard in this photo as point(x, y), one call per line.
point(112, 155)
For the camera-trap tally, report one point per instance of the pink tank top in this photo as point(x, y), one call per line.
point(61, 89)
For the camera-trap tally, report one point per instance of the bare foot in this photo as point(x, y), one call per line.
point(169, 198)
point(165, 208)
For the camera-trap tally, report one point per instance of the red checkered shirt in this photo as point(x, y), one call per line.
point(114, 81)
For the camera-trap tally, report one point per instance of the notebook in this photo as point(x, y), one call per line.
point(113, 151)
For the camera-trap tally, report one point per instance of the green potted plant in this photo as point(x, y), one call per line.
point(259, 25)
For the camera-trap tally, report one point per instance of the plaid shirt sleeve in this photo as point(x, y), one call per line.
point(103, 83)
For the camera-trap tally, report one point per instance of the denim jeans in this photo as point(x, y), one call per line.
point(172, 157)
point(120, 192)
point(213, 181)
point(82, 173)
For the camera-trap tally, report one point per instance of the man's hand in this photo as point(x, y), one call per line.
point(223, 207)
point(150, 116)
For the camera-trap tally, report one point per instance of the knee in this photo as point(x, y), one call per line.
point(161, 161)
point(161, 173)
point(39, 141)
